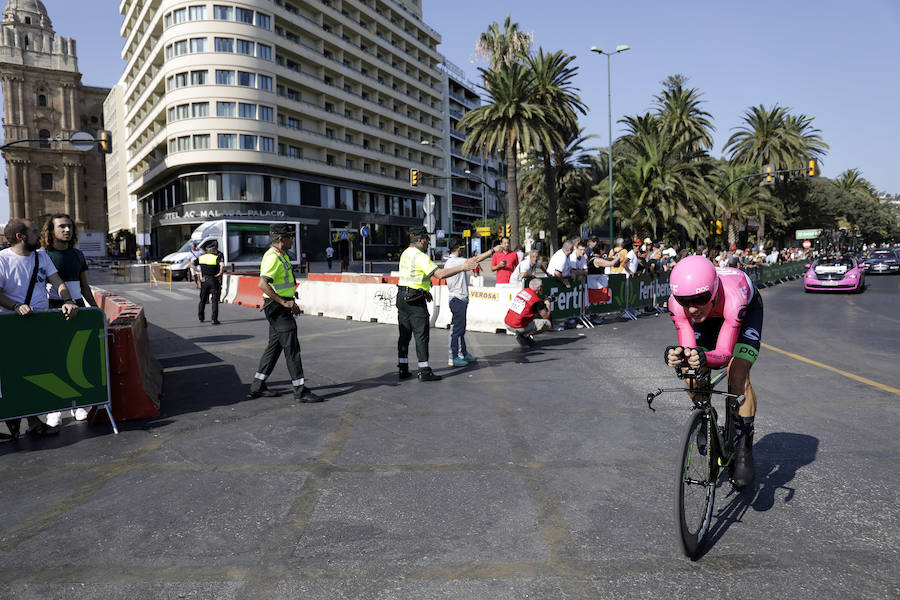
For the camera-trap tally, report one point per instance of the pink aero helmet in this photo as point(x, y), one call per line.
point(694, 281)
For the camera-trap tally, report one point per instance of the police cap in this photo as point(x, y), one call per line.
point(281, 229)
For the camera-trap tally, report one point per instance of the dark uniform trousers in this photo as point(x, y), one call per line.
point(282, 336)
point(211, 288)
point(413, 319)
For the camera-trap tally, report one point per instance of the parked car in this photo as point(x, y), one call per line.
point(835, 274)
point(882, 261)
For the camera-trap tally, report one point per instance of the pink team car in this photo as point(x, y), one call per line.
point(835, 274)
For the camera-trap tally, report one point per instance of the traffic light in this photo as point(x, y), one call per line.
point(104, 141)
point(718, 227)
point(811, 167)
point(414, 177)
point(712, 228)
point(769, 174)
point(507, 230)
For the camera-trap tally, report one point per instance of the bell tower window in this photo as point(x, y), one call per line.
point(42, 100)
point(27, 22)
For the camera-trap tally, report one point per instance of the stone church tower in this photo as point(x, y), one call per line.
point(43, 98)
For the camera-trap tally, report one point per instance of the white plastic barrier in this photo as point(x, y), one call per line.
point(488, 307)
point(229, 288)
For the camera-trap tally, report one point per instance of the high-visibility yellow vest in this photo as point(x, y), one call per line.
point(416, 269)
point(276, 265)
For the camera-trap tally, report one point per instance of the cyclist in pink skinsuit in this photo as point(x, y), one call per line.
point(718, 315)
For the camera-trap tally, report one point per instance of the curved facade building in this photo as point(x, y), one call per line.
point(279, 110)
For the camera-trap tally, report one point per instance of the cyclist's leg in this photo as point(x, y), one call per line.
point(739, 383)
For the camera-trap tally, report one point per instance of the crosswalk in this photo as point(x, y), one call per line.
point(144, 295)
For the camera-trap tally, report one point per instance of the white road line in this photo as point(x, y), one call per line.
point(142, 296)
point(187, 293)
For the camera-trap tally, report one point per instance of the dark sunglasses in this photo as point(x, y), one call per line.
point(697, 300)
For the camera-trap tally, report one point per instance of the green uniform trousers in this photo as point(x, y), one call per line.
point(282, 337)
point(413, 319)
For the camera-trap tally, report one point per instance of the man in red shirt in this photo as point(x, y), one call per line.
point(504, 263)
point(520, 318)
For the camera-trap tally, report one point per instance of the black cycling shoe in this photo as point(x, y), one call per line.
point(426, 374)
point(305, 395)
point(744, 471)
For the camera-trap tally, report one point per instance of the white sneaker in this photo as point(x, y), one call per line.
point(53, 419)
point(80, 414)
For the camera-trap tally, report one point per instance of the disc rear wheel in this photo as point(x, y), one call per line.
point(695, 484)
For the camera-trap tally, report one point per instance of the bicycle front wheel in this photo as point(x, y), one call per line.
point(695, 484)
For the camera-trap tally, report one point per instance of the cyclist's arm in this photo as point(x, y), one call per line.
point(683, 327)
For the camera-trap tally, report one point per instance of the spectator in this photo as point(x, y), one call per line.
point(527, 269)
point(772, 256)
point(593, 247)
point(654, 258)
point(520, 253)
point(619, 256)
point(633, 258)
point(528, 315)
point(192, 267)
point(58, 237)
point(458, 289)
point(329, 255)
point(504, 262)
point(560, 266)
point(578, 263)
point(24, 274)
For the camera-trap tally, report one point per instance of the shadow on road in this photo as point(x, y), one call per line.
point(778, 458)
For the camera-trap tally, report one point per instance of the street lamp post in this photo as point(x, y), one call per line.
point(599, 50)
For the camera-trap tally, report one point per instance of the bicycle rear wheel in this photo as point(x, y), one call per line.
point(695, 484)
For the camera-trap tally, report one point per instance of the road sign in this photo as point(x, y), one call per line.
point(429, 222)
point(467, 233)
point(428, 204)
point(364, 231)
point(807, 244)
point(483, 231)
point(439, 234)
point(543, 234)
point(584, 231)
point(807, 234)
point(345, 235)
point(83, 141)
point(476, 246)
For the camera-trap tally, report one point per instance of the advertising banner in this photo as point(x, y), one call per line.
point(56, 364)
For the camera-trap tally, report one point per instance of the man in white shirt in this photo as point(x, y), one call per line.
point(527, 269)
point(458, 289)
point(578, 262)
point(633, 258)
point(772, 258)
point(560, 266)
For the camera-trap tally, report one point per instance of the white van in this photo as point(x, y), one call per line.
point(242, 242)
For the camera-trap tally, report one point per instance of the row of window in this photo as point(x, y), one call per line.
point(227, 141)
point(220, 13)
point(243, 110)
point(220, 44)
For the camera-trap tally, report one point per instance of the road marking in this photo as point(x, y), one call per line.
point(142, 296)
point(880, 386)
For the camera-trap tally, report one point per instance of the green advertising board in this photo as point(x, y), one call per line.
point(807, 234)
point(50, 364)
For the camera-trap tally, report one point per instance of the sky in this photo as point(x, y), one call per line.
point(833, 60)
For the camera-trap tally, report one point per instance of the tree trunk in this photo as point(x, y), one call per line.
point(512, 193)
point(732, 233)
point(552, 202)
point(761, 234)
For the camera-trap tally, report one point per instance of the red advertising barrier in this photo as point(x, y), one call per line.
point(248, 292)
point(135, 376)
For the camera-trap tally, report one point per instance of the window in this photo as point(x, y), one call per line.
point(182, 111)
point(200, 109)
point(224, 45)
point(42, 100)
point(198, 45)
point(265, 83)
point(242, 15)
point(172, 114)
point(46, 181)
point(168, 20)
point(248, 142)
point(227, 140)
point(263, 51)
point(224, 77)
point(201, 142)
point(179, 16)
point(197, 13)
point(266, 113)
point(222, 13)
point(181, 47)
point(170, 82)
point(246, 79)
point(172, 146)
point(349, 164)
point(263, 20)
point(184, 143)
point(225, 109)
point(295, 152)
point(266, 144)
point(180, 79)
point(245, 47)
point(198, 77)
point(247, 111)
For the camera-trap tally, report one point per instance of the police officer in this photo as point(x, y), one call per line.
point(276, 280)
point(416, 270)
point(211, 264)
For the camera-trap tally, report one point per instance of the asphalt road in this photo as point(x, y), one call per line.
point(527, 475)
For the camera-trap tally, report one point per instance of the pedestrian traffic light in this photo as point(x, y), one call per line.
point(718, 227)
point(769, 174)
point(104, 142)
point(414, 177)
point(811, 167)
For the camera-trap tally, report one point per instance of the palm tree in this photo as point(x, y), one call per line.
point(742, 200)
point(554, 91)
point(852, 182)
point(511, 121)
point(775, 137)
point(503, 48)
point(680, 111)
